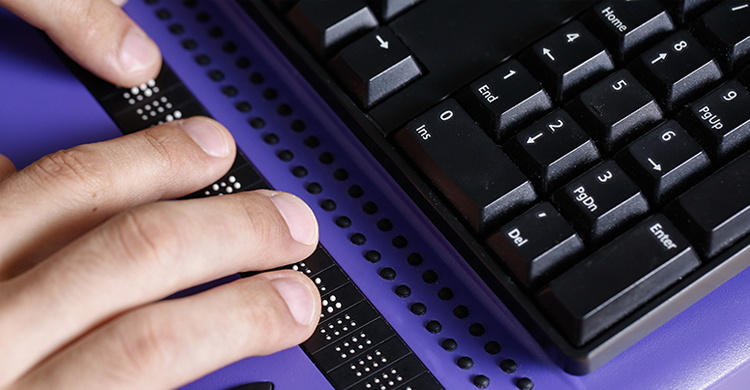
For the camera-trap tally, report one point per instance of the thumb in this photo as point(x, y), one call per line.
point(97, 34)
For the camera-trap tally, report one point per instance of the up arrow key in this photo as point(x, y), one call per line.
point(383, 43)
point(548, 53)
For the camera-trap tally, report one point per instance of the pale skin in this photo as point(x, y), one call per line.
point(90, 241)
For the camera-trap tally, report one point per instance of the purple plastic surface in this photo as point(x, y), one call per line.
point(704, 347)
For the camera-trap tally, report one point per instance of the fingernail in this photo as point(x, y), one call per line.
point(209, 137)
point(298, 298)
point(298, 216)
point(137, 51)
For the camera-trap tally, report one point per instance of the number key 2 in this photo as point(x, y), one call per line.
point(676, 70)
point(601, 203)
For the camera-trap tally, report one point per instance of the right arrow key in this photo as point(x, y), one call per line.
point(664, 161)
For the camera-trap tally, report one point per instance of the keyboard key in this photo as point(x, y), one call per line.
point(744, 77)
point(505, 99)
point(616, 110)
point(601, 203)
point(328, 25)
point(725, 31)
point(465, 164)
point(536, 245)
point(676, 70)
point(720, 121)
point(626, 27)
point(716, 213)
point(683, 11)
point(568, 60)
point(374, 66)
point(388, 9)
point(664, 161)
point(552, 150)
point(616, 280)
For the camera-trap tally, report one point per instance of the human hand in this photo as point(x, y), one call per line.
point(89, 244)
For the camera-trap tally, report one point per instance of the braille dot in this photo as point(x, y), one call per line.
point(343, 222)
point(312, 141)
point(284, 110)
point(373, 256)
point(328, 205)
point(481, 381)
point(189, 44)
point(215, 32)
point(243, 63)
point(400, 242)
point(434, 327)
point(492, 347)
point(189, 3)
point(461, 311)
point(216, 75)
point(285, 155)
point(257, 123)
point(388, 273)
point(414, 259)
point(445, 294)
point(230, 91)
point(476, 329)
point(326, 158)
point(163, 14)
point(403, 291)
point(449, 345)
point(314, 188)
point(203, 17)
point(176, 29)
point(243, 107)
point(355, 191)
point(341, 174)
point(256, 78)
point(358, 239)
point(509, 366)
point(298, 125)
point(430, 276)
point(370, 208)
point(270, 93)
point(419, 309)
point(152, 1)
point(465, 362)
point(202, 59)
point(229, 47)
point(271, 139)
point(525, 384)
point(299, 171)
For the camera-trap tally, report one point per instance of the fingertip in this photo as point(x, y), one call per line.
point(299, 217)
point(139, 58)
point(6, 167)
point(211, 136)
point(300, 295)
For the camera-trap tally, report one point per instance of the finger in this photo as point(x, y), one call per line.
point(61, 196)
point(6, 167)
point(171, 343)
point(144, 255)
point(97, 34)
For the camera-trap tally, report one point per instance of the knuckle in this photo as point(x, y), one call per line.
point(149, 237)
point(144, 344)
point(78, 168)
point(163, 149)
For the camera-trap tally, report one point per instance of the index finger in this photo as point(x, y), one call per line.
point(97, 34)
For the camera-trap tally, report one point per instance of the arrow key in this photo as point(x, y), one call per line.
point(551, 150)
point(664, 161)
point(375, 66)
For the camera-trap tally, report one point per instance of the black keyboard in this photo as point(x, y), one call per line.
point(588, 158)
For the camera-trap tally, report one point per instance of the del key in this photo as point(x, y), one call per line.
point(465, 164)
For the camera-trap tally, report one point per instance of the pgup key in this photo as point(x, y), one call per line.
point(465, 165)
